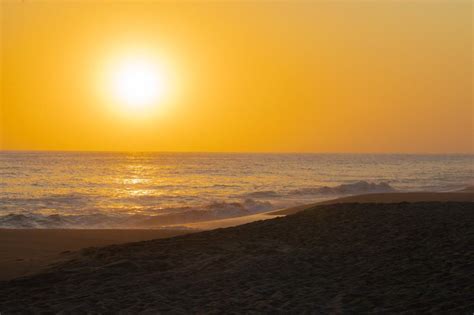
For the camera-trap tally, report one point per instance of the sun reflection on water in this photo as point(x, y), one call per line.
point(110, 184)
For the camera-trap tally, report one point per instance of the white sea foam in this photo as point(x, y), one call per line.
point(360, 187)
point(213, 211)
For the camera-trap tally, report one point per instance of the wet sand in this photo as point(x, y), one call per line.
point(351, 257)
point(25, 251)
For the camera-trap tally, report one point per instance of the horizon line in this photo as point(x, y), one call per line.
point(235, 152)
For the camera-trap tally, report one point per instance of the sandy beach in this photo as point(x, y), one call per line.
point(340, 257)
point(24, 251)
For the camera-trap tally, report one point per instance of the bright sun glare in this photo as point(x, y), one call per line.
point(137, 83)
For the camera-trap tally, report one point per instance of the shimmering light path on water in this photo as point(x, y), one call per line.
point(118, 189)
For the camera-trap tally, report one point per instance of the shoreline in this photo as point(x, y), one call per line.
point(346, 257)
point(27, 251)
point(466, 195)
point(392, 197)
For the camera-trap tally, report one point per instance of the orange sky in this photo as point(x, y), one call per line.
point(335, 76)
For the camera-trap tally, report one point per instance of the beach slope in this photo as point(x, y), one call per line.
point(27, 251)
point(466, 195)
point(330, 258)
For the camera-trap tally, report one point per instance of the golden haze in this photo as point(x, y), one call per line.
point(387, 76)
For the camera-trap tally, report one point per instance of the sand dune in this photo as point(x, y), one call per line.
point(461, 196)
point(384, 258)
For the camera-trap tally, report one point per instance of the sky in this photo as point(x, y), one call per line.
point(314, 76)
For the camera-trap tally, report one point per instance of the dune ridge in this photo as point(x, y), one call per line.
point(465, 195)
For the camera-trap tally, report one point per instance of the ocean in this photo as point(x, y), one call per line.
point(153, 190)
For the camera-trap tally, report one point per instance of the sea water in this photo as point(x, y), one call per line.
point(134, 190)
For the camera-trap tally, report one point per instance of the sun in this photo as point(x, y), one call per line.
point(137, 83)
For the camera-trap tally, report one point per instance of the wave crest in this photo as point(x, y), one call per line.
point(345, 189)
point(359, 187)
point(213, 211)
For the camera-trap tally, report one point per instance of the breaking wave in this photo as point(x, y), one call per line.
point(86, 212)
point(83, 211)
point(359, 187)
point(173, 216)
